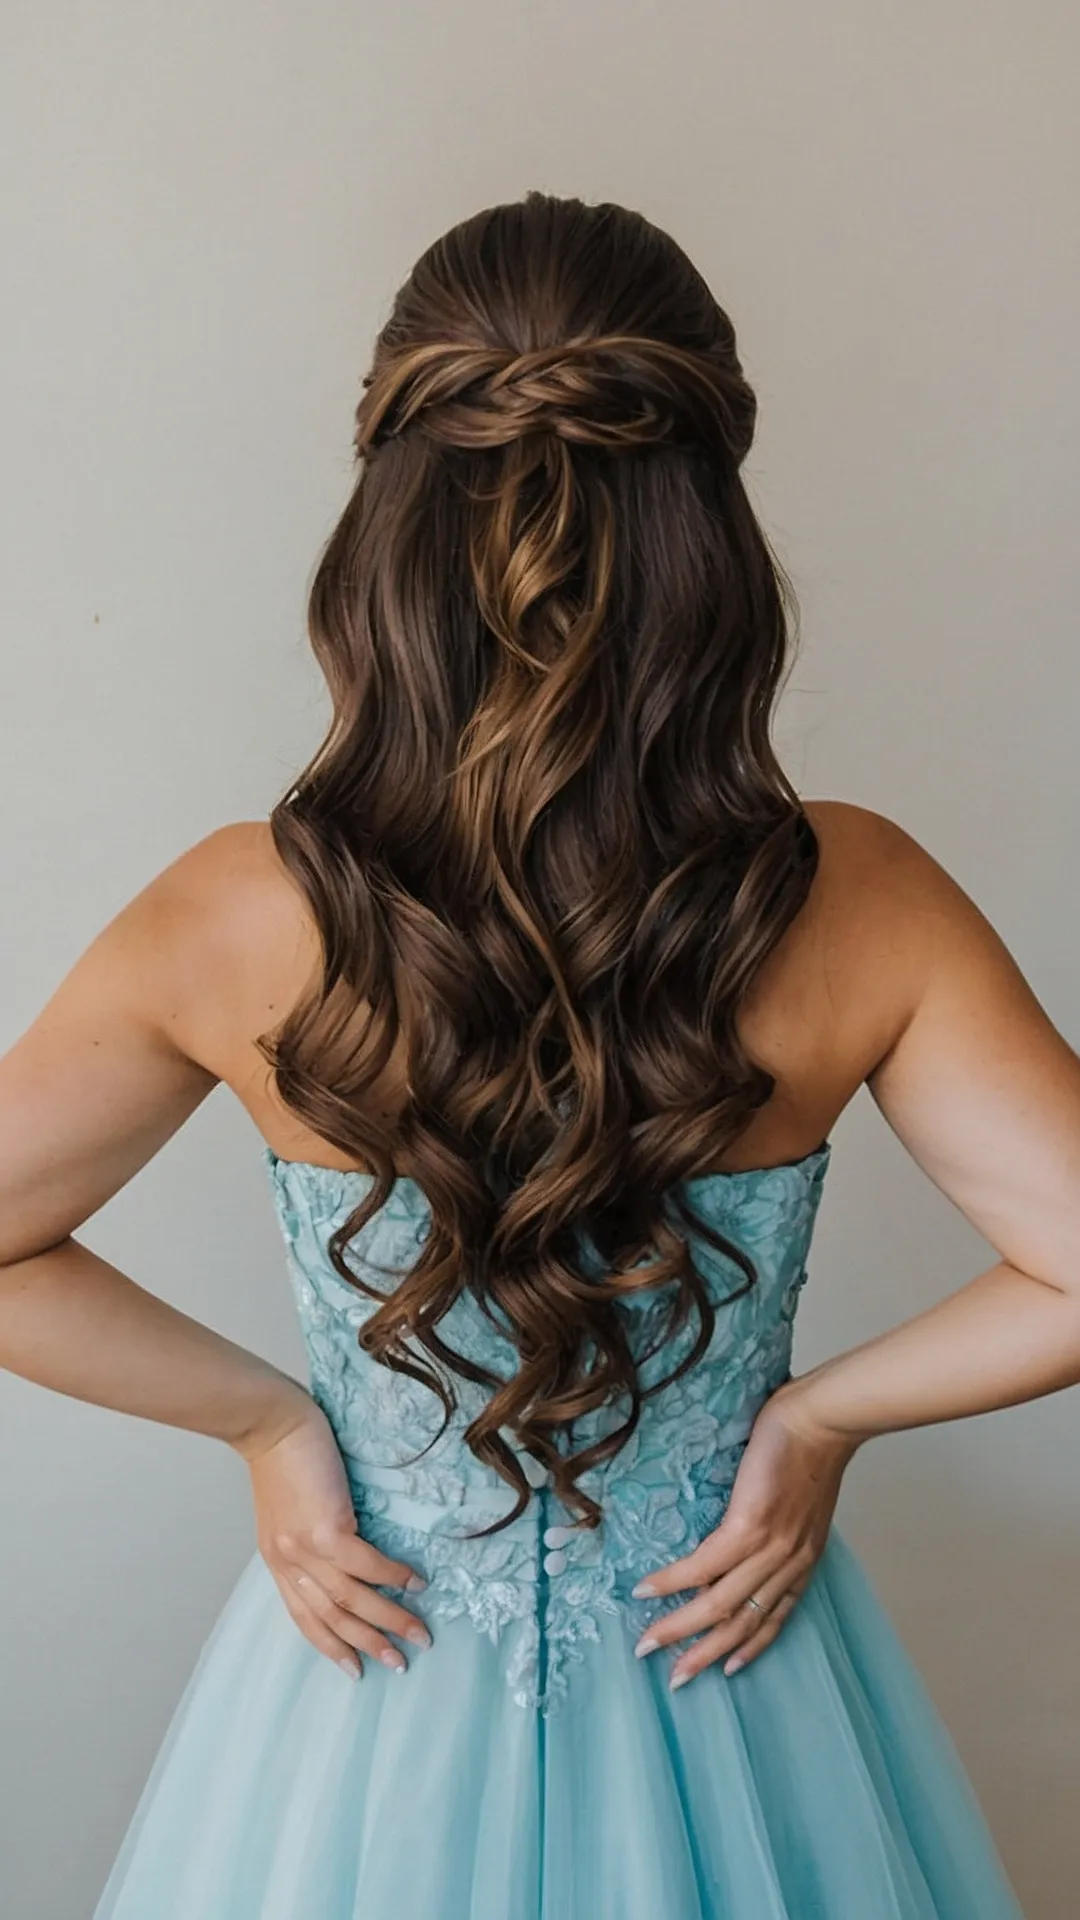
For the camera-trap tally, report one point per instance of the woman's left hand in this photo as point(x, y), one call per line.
point(765, 1549)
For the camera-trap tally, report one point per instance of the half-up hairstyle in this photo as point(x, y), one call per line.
point(546, 840)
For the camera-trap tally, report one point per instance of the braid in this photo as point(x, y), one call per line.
point(612, 391)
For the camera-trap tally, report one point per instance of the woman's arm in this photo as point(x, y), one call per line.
point(985, 1094)
point(92, 1090)
point(88, 1095)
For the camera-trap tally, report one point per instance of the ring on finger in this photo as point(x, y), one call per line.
point(757, 1606)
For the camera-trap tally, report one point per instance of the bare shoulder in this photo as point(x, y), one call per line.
point(207, 904)
point(227, 938)
point(236, 864)
point(873, 873)
point(892, 920)
point(866, 851)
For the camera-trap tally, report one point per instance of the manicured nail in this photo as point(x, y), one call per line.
point(643, 1591)
point(647, 1644)
point(733, 1665)
point(419, 1636)
point(350, 1667)
point(679, 1679)
point(393, 1660)
point(415, 1583)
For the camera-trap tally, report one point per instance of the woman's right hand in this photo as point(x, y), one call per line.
point(306, 1531)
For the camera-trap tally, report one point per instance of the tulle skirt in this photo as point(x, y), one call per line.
point(816, 1784)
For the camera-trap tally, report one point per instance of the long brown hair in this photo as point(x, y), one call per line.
point(546, 840)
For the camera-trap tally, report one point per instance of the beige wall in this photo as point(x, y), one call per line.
point(210, 206)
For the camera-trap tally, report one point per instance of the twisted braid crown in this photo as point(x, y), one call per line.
point(614, 391)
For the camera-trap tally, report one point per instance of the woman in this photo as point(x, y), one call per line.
point(545, 991)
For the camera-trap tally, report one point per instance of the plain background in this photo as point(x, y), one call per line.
point(208, 209)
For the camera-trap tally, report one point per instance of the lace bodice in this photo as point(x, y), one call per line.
point(539, 1587)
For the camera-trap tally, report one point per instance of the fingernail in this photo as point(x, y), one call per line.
point(647, 1644)
point(679, 1679)
point(350, 1667)
point(732, 1666)
point(643, 1591)
point(419, 1636)
point(393, 1660)
point(415, 1583)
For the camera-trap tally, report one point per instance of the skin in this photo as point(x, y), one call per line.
point(890, 976)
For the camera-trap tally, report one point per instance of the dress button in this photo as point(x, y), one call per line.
point(556, 1536)
point(554, 1562)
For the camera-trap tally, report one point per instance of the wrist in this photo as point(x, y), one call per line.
point(802, 1404)
point(284, 1407)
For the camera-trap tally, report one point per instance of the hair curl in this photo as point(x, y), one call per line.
point(546, 840)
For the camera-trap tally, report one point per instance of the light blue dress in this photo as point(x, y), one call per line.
point(528, 1766)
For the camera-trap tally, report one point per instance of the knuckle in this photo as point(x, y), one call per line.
point(748, 1543)
point(779, 1546)
point(746, 1530)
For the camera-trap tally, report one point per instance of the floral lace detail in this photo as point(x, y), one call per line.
point(539, 1588)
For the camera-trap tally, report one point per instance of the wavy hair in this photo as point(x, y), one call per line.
point(546, 840)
